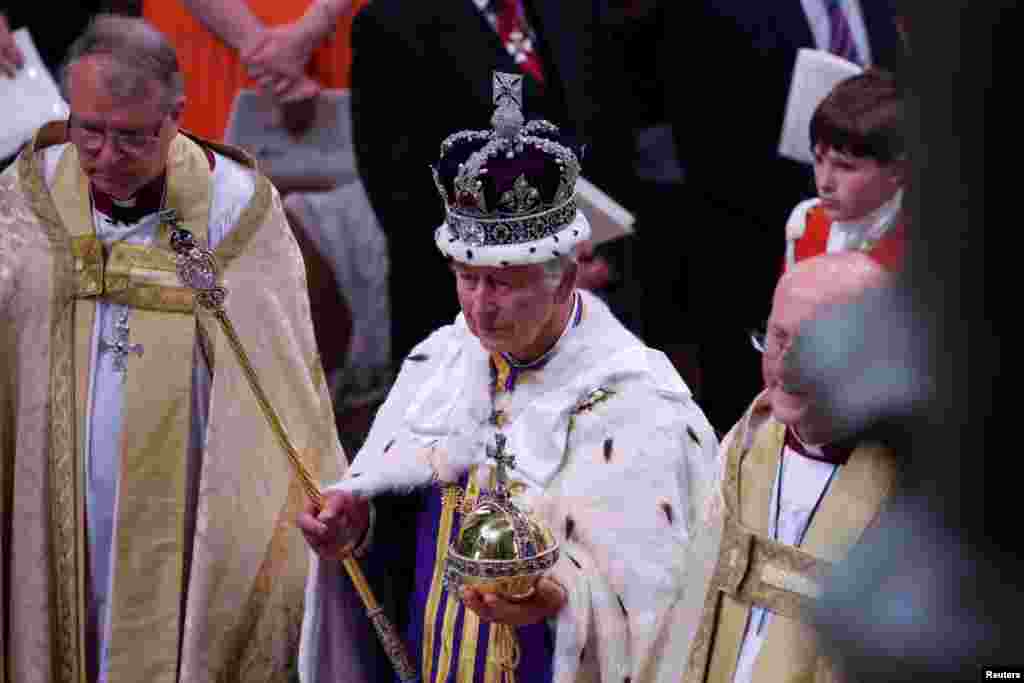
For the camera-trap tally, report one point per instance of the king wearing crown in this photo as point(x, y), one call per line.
point(534, 427)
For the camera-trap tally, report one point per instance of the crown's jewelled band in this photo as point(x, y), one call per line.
point(486, 232)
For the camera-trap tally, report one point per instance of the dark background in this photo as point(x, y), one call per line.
point(937, 594)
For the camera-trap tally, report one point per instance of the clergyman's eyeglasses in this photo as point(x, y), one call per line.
point(770, 343)
point(90, 136)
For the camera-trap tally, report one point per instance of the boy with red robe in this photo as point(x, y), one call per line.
point(859, 170)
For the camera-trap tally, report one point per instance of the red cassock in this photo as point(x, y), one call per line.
point(888, 250)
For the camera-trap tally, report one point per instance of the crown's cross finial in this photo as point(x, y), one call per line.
point(503, 460)
point(508, 98)
point(508, 87)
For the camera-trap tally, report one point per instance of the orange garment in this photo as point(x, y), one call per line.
point(214, 72)
point(888, 250)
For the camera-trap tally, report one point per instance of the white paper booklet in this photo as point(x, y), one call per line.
point(608, 219)
point(28, 100)
point(815, 74)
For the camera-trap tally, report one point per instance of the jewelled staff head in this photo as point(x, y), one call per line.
point(508, 192)
point(196, 266)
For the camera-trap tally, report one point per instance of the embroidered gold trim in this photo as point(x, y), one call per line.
point(34, 185)
point(67, 575)
point(154, 298)
point(791, 581)
point(758, 571)
point(492, 670)
point(126, 258)
point(450, 499)
point(64, 494)
point(87, 252)
point(732, 562)
point(470, 640)
point(452, 604)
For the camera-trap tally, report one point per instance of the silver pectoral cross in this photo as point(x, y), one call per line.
point(118, 344)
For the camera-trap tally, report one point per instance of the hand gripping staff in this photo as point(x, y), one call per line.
point(198, 270)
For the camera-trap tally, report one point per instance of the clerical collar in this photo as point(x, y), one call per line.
point(835, 453)
point(873, 226)
point(507, 369)
point(149, 199)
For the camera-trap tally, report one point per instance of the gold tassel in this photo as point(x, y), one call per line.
point(506, 651)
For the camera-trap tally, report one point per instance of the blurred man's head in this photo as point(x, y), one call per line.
point(805, 292)
point(126, 94)
point(519, 310)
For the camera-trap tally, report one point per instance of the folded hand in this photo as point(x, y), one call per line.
point(279, 51)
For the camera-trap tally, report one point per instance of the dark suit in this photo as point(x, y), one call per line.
point(421, 71)
point(727, 79)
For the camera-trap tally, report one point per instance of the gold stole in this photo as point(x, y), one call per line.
point(146, 600)
point(754, 570)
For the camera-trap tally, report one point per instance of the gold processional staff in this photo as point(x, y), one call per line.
point(198, 270)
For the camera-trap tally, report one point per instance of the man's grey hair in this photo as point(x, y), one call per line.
point(555, 269)
point(140, 53)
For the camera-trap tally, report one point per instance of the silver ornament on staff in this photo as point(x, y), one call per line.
point(198, 270)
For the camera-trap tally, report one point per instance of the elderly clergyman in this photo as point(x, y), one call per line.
point(146, 506)
point(798, 490)
point(610, 449)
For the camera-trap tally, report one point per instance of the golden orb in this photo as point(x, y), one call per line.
point(500, 548)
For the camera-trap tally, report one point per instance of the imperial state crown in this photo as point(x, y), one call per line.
point(509, 192)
